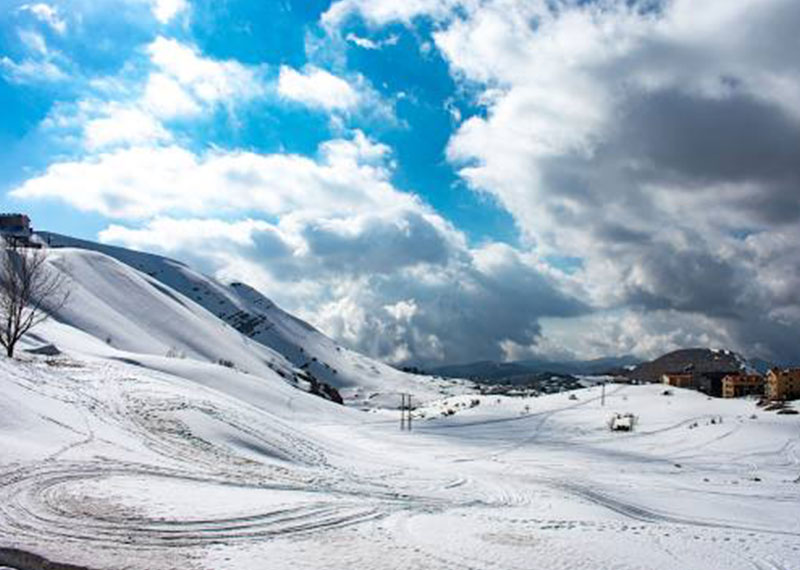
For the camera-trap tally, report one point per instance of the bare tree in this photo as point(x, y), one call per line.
point(30, 291)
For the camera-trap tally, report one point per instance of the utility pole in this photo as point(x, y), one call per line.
point(405, 412)
point(603, 394)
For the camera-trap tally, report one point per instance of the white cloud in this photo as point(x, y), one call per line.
point(622, 332)
point(120, 124)
point(379, 12)
point(146, 181)
point(316, 87)
point(165, 98)
point(398, 284)
point(367, 43)
point(181, 84)
point(403, 310)
point(34, 41)
point(370, 264)
point(207, 80)
point(47, 14)
point(655, 150)
point(364, 43)
point(167, 10)
point(41, 65)
point(31, 71)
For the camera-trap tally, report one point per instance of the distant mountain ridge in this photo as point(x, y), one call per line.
point(701, 360)
point(492, 370)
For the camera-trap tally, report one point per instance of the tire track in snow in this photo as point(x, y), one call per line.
point(45, 502)
point(644, 514)
point(42, 501)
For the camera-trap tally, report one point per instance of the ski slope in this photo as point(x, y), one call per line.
point(143, 452)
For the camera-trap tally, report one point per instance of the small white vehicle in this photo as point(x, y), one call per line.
point(622, 422)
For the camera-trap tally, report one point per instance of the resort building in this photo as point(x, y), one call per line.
point(738, 385)
point(783, 384)
point(679, 380)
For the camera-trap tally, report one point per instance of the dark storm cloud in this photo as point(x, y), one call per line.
point(693, 145)
point(471, 309)
point(649, 144)
point(704, 140)
point(379, 244)
point(691, 281)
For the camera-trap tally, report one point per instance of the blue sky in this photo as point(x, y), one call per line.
point(267, 34)
point(432, 181)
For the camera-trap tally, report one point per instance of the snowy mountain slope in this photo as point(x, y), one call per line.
point(361, 380)
point(122, 467)
point(132, 311)
point(117, 456)
point(128, 313)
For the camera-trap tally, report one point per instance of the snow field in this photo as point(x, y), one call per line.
point(117, 455)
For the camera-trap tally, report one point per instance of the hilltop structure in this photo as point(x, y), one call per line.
point(16, 230)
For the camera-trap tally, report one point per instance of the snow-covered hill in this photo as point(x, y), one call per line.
point(186, 464)
point(140, 448)
point(145, 303)
point(699, 360)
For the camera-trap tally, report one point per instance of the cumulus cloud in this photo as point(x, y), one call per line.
point(205, 79)
point(372, 265)
point(145, 181)
point(317, 88)
point(176, 82)
point(166, 98)
point(40, 65)
point(642, 140)
point(378, 12)
point(635, 138)
point(370, 44)
point(417, 294)
point(121, 124)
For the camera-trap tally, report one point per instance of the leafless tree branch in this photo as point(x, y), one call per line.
point(30, 291)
